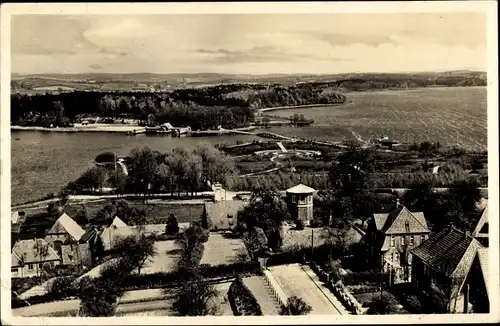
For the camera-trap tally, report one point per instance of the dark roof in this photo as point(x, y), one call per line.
point(401, 220)
point(481, 231)
point(90, 233)
point(448, 250)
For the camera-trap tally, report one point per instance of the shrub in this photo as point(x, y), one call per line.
point(299, 225)
point(62, 287)
point(413, 304)
point(171, 225)
point(295, 307)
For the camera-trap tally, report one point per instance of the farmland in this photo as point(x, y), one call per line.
point(454, 116)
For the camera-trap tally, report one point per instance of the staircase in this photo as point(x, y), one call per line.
point(264, 295)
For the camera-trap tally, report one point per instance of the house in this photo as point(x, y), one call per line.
point(29, 256)
point(223, 213)
point(481, 230)
point(440, 265)
point(477, 286)
point(391, 235)
point(63, 230)
point(300, 202)
point(66, 237)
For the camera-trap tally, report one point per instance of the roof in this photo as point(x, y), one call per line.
point(401, 221)
point(66, 224)
point(89, 234)
point(482, 254)
point(24, 251)
point(478, 231)
point(300, 189)
point(450, 252)
point(118, 222)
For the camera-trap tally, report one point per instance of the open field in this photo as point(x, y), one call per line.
point(452, 116)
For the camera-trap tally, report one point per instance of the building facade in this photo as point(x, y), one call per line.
point(390, 237)
point(300, 203)
point(28, 258)
point(441, 264)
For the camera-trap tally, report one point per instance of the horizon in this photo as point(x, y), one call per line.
point(248, 44)
point(257, 75)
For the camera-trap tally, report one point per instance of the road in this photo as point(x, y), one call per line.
point(294, 280)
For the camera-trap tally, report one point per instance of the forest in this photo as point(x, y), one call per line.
point(203, 108)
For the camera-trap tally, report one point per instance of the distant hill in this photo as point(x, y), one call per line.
point(147, 81)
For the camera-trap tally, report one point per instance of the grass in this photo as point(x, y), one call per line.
point(157, 213)
point(452, 116)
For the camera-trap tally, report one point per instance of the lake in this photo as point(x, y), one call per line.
point(452, 116)
point(43, 162)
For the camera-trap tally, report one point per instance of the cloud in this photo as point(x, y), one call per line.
point(95, 66)
point(316, 43)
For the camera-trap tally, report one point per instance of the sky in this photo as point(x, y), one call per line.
point(248, 44)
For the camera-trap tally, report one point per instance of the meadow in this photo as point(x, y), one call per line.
point(455, 116)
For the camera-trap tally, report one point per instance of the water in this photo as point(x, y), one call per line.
point(43, 162)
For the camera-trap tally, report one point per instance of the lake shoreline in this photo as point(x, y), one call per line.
point(91, 128)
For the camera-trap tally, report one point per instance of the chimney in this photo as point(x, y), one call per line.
point(398, 203)
point(467, 233)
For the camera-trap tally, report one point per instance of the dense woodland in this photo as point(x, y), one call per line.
point(201, 108)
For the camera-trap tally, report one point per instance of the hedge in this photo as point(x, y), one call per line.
point(242, 300)
point(161, 280)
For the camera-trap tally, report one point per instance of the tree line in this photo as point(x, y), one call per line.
point(179, 171)
point(199, 108)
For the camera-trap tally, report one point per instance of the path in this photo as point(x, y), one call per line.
point(263, 294)
point(296, 281)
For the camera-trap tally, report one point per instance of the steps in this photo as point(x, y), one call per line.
point(264, 295)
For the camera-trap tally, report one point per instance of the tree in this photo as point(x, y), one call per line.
point(92, 179)
point(41, 250)
point(295, 307)
point(417, 198)
point(98, 297)
point(135, 250)
point(255, 241)
point(143, 169)
point(267, 211)
point(191, 243)
point(206, 222)
point(82, 216)
point(196, 298)
point(171, 225)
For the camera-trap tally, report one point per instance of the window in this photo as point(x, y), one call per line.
point(424, 237)
point(393, 241)
point(396, 257)
point(403, 240)
point(30, 267)
point(14, 271)
point(412, 240)
point(294, 199)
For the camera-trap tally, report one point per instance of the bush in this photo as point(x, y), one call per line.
point(299, 225)
point(413, 304)
point(62, 287)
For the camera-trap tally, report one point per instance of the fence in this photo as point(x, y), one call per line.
point(276, 288)
point(338, 290)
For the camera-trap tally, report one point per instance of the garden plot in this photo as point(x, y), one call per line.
point(295, 281)
point(165, 260)
point(222, 250)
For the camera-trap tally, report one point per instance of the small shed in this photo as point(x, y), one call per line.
point(300, 202)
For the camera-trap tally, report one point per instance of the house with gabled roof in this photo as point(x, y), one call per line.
point(29, 256)
point(441, 264)
point(391, 235)
point(66, 237)
point(481, 230)
point(477, 286)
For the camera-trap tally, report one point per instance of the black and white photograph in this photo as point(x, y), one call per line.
point(212, 161)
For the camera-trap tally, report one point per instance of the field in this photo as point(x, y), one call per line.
point(452, 116)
